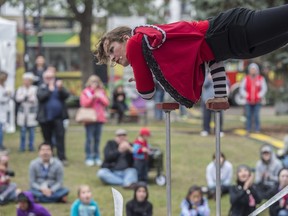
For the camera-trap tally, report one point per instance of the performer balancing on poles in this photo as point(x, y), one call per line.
point(176, 54)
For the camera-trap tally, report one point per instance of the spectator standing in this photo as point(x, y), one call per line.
point(46, 177)
point(84, 205)
point(52, 111)
point(27, 206)
point(253, 88)
point(195, 204)
point(27, 111)
point(207, 93)
point(141, 152)
point(94, 96)
point(117, 168)
point(119, 102)
point(266, 171)
point(38, 69)
point(226, 170)
point(280, 208)
point(139, 205)
point(243, 196)
point(4, 106)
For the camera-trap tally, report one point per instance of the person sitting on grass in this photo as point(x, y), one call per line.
point(226, 175)
point(8, 190)
point(243, 196)
point(139, 205)
point(117, 168)
point(195, 204)
point(266, 171)
point(84, 205)
point(27, 206)
point(46, 177)
point(280, 208)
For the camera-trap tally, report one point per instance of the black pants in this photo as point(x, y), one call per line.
point(242, 33)
point(56, 128)
point(142, 169)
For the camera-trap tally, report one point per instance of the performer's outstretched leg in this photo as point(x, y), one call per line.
point(266, 25)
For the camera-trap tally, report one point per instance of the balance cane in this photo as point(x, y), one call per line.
point(167, 108)
point(218, 107)
point(218, 173)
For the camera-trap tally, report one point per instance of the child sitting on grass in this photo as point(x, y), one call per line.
point(139, 205)
point(27, 206)
point(141, 152)
point(195, 204)
point(8, 190)
point(84, 205)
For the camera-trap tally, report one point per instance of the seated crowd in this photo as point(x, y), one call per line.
point(124, 163)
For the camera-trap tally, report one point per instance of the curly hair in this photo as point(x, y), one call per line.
point(116, 34)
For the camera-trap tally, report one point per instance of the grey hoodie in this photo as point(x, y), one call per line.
point(272, 167)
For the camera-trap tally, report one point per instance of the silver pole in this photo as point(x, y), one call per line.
point(168, 163)
point(218, 174)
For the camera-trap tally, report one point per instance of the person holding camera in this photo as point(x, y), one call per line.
point(8, 190)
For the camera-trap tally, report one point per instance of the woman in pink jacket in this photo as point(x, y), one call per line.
point(94, 96)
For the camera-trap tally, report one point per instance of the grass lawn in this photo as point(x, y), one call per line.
point(190, 156)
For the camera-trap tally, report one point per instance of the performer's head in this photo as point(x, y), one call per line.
point(112, 46)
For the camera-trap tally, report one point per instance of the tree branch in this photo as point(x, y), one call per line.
point(72, 5)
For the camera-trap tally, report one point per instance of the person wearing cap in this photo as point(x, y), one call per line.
point(27, 110)
point(27, 206)
point(117, 167)
point(243, 195)
point(266, 171)
point(253, 88)
point(141, 152)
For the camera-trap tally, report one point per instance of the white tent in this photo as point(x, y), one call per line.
point(8, 34)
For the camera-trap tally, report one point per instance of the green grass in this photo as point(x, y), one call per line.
point(190, 155)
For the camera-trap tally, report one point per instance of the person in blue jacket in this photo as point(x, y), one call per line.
point(84, 205)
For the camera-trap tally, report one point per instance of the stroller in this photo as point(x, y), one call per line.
point(156, 163)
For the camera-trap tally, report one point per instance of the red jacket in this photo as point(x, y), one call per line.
point(179, 50)
point(253, 88)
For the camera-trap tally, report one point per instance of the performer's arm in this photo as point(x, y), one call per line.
point(143, 76)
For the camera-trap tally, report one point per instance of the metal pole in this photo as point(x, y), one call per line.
point(218, 174)
point(168, 163)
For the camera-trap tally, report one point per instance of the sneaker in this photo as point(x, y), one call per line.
point(98, 162)
point(204, 133)
point(89, 162)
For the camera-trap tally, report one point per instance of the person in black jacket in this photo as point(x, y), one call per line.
point(280, 208)
point(117, 167)
point(243, 195)
point(52, 111)
point(119, 102)
point(139, 205)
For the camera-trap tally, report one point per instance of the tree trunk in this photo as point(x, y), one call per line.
point(86, 57)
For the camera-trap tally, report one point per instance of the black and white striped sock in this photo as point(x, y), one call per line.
point(218, 74)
